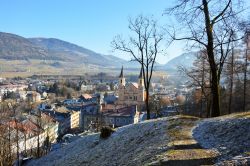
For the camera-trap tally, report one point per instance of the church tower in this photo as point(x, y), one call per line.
point(122, 78)
point(140, 79)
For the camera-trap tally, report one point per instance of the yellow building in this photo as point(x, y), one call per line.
point(75, 120)
point(131, 93)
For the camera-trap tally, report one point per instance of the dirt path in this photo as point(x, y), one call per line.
point(182, 148)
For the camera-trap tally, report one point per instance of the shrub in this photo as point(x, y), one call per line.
point(106, 131)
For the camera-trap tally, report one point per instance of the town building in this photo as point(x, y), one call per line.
point(131, 93)
point(118, 115)
point(33, 96)
point(5, 88)
point(86, 87)
point(75, 120)
point(30, 129)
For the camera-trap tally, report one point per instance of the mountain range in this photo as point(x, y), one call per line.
point(14, 47)
point(186, 60)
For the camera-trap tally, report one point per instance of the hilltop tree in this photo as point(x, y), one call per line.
point(208, 24)
point(143, 45)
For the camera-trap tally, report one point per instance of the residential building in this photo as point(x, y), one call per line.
point(85, 98)
point(117, 116)
point(75, 120)
point(10, 87)
point(86, 87)
point(33, 96)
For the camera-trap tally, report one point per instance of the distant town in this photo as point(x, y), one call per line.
point(50, 108)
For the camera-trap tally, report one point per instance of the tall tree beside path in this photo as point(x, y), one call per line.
point(210, 25)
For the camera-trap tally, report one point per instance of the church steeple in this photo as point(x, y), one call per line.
point(122, 78)
point(141, 79)
point(121, 74)
point(141, 74)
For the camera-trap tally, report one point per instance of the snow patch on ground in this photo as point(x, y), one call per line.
point(140, 144)
point(229, 135)
point(130, 145)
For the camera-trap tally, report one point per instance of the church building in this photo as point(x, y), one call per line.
point(131, 93)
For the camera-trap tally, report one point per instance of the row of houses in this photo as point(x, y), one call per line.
point(89, 116)
point(31, 132)
point(20, 92)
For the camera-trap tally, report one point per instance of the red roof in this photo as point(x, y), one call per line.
point(30, 126)
point(15, 124)
point(26, 126)
point(118, 110)
point(86, 96)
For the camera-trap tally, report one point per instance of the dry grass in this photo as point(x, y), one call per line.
point(180, 129)
point(182, 147)
point(247, 153)
point(182, 142)
point(241, 115)
point(191, 154)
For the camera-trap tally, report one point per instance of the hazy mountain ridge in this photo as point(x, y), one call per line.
point(17, 47)
point(14, 47)
point(76, 53)
point(185, 60)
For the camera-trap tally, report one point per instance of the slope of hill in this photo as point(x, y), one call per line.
point(166, 141)
point(129, 145)
point(185, 59)
point(72, 52)
point(40, 53)
point(16, 47)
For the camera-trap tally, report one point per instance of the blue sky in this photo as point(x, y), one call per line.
point(88, 23)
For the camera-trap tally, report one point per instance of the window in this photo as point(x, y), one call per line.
point(135, 98)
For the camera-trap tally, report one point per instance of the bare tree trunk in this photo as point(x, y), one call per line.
point(214, 70)
point(38, 144)
point(9, 143)
point(202, 85)
point(17, 143)
point(147, 103)
point(245, 82)
point(25, 140)
point(231, 83)
point(208, 106)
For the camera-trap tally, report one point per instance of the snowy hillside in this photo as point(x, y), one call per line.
point(175, 140)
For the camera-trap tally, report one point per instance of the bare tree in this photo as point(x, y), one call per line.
point(208, 24)
point(231, 80)
point(143, 46)
point(200, 77)
point(6, 157)
point(230, 72)
point(247, 54)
